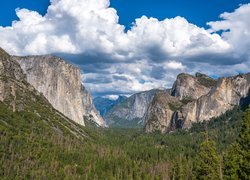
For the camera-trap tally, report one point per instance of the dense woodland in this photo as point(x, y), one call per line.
point(31, 149)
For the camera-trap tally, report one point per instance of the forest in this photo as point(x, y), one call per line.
point(218, 149)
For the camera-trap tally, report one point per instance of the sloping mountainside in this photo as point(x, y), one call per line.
point(103, 105)
point(60, 83)
point(196, 99)
point(131, 111)
point(28, 123)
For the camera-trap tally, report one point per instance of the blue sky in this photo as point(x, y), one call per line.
point(198, 12)
point(195, 11)
point(7, 9)
point(131, 46)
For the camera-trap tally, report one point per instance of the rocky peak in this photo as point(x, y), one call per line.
point(209, 99)
point(188, 87)
point(228, 92)
point(60, 83)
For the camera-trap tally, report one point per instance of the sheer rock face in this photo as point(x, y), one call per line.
point(132, 108)
point(208, 102)
point(188, 87)
point(227, 93)
point(60, 83)
point(161, 112)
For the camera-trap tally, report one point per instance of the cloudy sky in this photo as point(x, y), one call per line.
point(123, 47)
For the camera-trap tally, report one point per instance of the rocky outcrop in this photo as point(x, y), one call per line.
point(227, 93)
point(207, 99)
point(14, 89)
point(60, 83)
point(132, 109)
point(189, 88)
point(161, 111)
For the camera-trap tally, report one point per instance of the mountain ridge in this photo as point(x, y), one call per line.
point(199, 103)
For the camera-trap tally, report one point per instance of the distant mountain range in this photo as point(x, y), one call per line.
point(192, 99)
point(131, 111)
point(104, 104)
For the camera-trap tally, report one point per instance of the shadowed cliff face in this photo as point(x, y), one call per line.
point(160, 112)
point(12, 82)
point(60, 83)
point(198, 98)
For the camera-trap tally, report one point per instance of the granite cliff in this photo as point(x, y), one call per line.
point(195, 99)
point(160, 112)
point(188, 87)
point(29, 109)
point(131, 111)
point(60, 83)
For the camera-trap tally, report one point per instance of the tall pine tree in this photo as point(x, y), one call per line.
point(237, 163)
point(206, 163)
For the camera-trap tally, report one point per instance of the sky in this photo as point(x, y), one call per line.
point(125, 46)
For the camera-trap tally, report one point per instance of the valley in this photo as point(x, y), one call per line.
point(144, 137)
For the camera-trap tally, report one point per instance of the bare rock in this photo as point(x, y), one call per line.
point(60, 83)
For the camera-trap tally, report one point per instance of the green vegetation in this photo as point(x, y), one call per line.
point(119, 122)
point(205, 80)
point(206, 163)
point(237, 163)
point(175, 106)
point(36, 143)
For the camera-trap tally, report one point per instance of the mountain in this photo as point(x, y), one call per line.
point(188, 87)
point(18, 96)
point(37, 141)
point(195, 99)
point(103, 104)
point(160, 112)
point(131, 111)
point(60, 83)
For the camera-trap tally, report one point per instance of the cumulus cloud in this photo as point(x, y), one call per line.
point(147, 56)
point(235, 29)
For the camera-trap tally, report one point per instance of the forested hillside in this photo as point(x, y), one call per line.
point(32, 149)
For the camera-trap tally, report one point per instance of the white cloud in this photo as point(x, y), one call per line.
point(236, 27)
point(174, 65)
point(84, 26)
point(136, 60)
point(111, 97)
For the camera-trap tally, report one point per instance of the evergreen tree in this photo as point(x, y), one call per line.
point(231, 164)
point(237, 163)
point(206, 164)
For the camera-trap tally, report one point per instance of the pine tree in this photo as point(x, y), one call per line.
point(237, 163)
point(206, 164)
point(231, 164)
